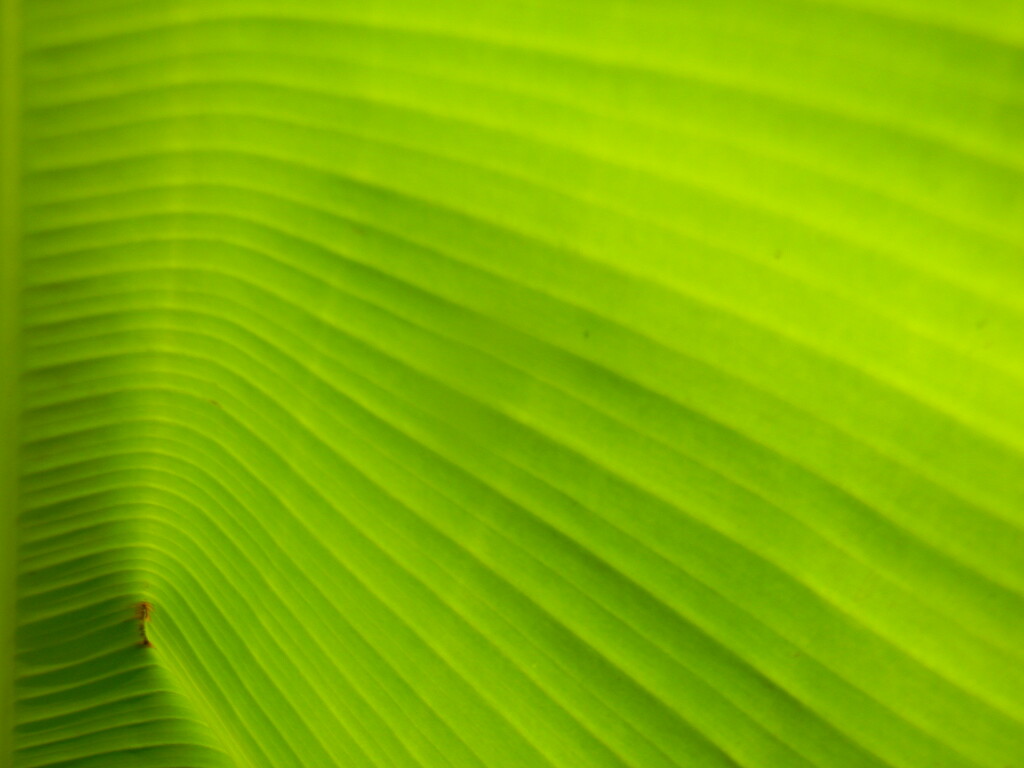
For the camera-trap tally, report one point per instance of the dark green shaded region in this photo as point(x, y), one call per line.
point(88, 692)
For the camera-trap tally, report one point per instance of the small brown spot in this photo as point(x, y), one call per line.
point(143, 613)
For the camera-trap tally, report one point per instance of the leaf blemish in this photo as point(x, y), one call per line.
point(143, 612)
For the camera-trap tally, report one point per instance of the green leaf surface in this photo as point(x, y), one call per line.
point(513, 384)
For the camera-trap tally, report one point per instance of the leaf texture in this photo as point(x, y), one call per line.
point(534, 384)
